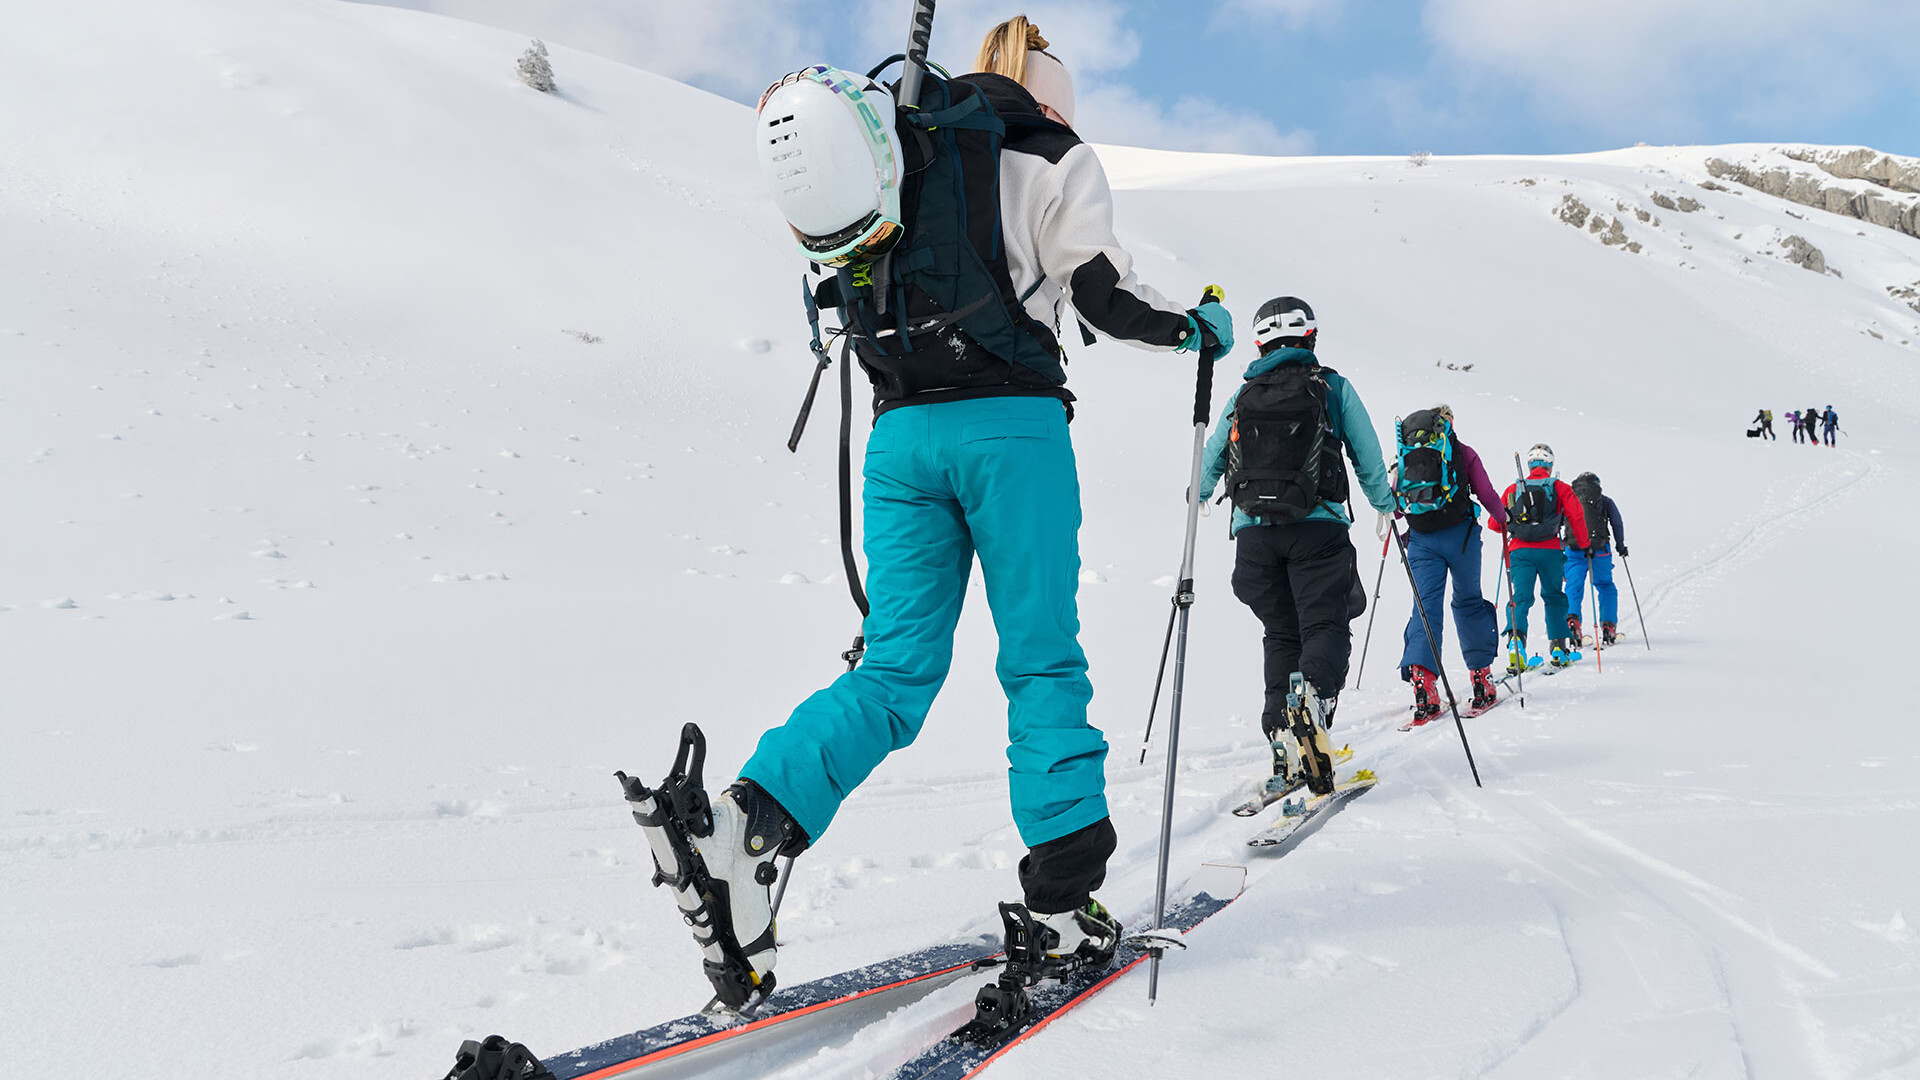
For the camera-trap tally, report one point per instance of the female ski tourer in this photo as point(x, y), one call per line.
point(969, 456)
point(1437, 479)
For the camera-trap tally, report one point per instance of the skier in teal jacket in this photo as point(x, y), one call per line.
point(1300, 576)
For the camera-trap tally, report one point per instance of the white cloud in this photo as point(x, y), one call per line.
point(1625, 66)
point(1119, 114)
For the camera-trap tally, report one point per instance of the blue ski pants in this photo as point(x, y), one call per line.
point(1547, 567)
point(1434, 556)
point(992, 477)
point(1602, 584)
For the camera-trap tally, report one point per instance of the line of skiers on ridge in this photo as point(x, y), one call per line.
point(956, 319)
point(1296, 569)
point(1812, 426)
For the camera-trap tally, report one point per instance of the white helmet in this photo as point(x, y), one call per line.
point(1283, 318)
point(1541, 454)
point(827, 151)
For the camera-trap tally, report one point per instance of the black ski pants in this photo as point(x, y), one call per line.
point(1303, 583)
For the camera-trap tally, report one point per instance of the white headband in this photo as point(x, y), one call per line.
point(1048, 82)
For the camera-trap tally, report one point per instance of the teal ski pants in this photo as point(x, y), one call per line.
point(992, 477)
point(1548, 567)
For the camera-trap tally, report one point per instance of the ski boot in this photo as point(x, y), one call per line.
point(1608, 634)
point(718, 858)
point(1516, 653)
point(1043, 947)
point(1086, 935)
point(1484, 692)
point(1573, 631)
point(1307, 717)
point(1426, 698)
point(1564, 654)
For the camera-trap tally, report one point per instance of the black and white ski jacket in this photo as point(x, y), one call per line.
point(1056, 218)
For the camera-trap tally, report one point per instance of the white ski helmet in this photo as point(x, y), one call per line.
point(828, 153)
point(1541, 454)
point(1283, 318)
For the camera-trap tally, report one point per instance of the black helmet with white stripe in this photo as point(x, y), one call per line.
point(1284, 321)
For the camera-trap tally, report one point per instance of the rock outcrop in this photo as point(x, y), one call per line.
point(1682, 204)
point(1898, 173)
point(1897, 213)
point(1909, 294)
point(1611, 233)
point(1803, 254)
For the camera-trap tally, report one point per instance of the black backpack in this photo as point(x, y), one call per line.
point(497, 1059)
point(939, 311)
point(1533, 513)
point(1586, 488)
point(1283, 458)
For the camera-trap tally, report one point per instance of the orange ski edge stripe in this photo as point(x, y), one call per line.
point(720, 1036)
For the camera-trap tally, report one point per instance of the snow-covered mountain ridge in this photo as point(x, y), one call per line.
point(473, 401)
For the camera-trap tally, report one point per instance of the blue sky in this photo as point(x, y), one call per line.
point(1340, 76)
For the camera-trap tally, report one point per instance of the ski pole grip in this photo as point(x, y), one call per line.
point(1203, 390)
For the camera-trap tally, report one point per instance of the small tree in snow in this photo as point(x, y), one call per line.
point(535, 71)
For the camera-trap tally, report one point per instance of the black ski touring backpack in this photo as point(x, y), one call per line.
point(1283, 458)
point(1533, 511)
point(1429, 481)
point(1586, 488)
point(939, 311)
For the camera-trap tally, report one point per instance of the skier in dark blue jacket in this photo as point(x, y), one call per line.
point(1605, 532)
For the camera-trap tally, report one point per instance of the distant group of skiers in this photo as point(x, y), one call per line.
point(1810, 426)
point(953, 312)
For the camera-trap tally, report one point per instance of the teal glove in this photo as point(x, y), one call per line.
point(1210, 328)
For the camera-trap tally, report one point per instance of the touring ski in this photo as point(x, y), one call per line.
point(704, 1033)
point(977, 1044)
point(1297, 815)
point(1272, 792)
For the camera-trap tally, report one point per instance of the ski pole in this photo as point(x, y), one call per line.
point(1368, 640)
point(1421, 606)
point(919, 33)
point(1513, 590)
point(1183, 603)
point(1636, 602)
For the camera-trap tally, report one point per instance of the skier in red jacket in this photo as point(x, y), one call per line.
point(1538, 508)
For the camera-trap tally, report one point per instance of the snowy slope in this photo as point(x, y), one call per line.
point(474, 402)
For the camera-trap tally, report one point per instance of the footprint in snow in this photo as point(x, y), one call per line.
point(1090, 576)
point(793, 577)
point(1896, 930)
point(64, 603)
point(234, 616)
point(182, 960)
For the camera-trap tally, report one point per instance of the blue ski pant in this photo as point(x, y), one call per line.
point(992, 477)
point(1547, 568)
point(1602, 584)
point(1434, 556)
